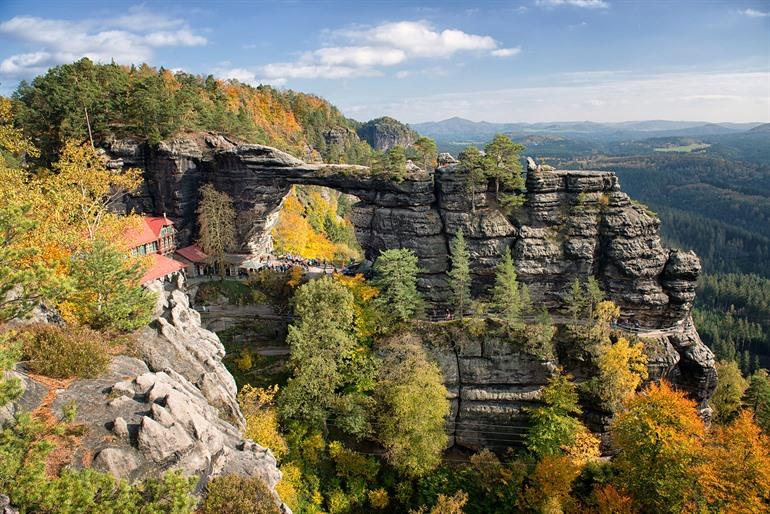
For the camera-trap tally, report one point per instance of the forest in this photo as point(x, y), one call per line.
point(356, 419)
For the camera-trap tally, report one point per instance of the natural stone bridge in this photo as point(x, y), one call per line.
point(573, 224)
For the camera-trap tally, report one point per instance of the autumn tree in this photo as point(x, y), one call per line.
point(735, 473)
point(727, 398)
point(413, 407)
point(425, 152)
point(505, 168)
point(757, 398)
point(659, 437)
point(622, 368)
point(85, 191)
point(396, 278)
point(257, 405)
point(476, 166)
point(216, 221)
point(554, 426)
point(460, 273)
point(24, 279)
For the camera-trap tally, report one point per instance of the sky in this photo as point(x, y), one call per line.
point(499, 61)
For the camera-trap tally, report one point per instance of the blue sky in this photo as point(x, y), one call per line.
point(518, 60)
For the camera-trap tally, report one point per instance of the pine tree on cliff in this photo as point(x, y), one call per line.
point(477, 166)
point(506, 293)
point(504, 167)
point(216, 219)
point(396, 277)
point(425, 152)
point(460, 274)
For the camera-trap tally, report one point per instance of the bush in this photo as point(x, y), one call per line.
point(233, 494)
point(63, 352)
point(25, 446)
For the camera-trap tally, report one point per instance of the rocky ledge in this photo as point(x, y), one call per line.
point(173, 406)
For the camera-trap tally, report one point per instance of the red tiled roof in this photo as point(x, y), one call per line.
point(147, 231)
point(192, 253)
point(161, 266)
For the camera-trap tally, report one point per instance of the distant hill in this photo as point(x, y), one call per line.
point(459, 130)
point(765, 127)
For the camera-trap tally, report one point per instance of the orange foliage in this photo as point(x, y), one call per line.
point(551, 483)
point(735, 474)
point(611, 501)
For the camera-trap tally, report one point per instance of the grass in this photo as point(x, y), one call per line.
point(684, 148)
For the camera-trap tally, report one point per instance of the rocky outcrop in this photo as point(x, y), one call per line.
point(385, 133)
point(493, 381)
point(573, 224)
point(172, 406)
point(176, 342)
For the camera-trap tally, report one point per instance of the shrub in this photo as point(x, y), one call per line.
point(234, 494)
point(62, 352)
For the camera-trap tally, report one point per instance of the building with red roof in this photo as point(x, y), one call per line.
point(155, 236)
point(194, 259)
point(161, 267)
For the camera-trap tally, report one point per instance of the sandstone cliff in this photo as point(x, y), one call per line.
point(573, 224)
point(173, 406)
point(385, 133)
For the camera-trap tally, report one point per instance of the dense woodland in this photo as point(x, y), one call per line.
point(356, 419)
point(155, 104)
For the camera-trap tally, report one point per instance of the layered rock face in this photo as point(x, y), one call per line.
point(573, 224)
point(173, 407)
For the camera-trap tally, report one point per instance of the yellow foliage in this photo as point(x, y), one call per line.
point(290, 485)
point(584, 449)
point(378, 498)
point(299, 231)
point(735, 474)
point(244, 362)
point(12, 139)
point(551, 483)
point(622, 369)
point(261, 418)
point(611, 501)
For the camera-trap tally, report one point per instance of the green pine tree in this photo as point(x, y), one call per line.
point(396, 277)
point(506, 293)
point(107, 290)
point(460, 274)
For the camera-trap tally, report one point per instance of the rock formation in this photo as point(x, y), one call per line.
point(385, 133)
point(573, 224)
point(173, 407)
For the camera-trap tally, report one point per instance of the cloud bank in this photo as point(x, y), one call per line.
point(126, 39)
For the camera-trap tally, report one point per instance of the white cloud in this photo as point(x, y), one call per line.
point(587, 4)
point(246, 76)
point(183, 37)
point(360, 56)
point(753, 13)
point(420, 39)
point(363, 51)
point(715, 97)
point(506, 52)
point(131, 38)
